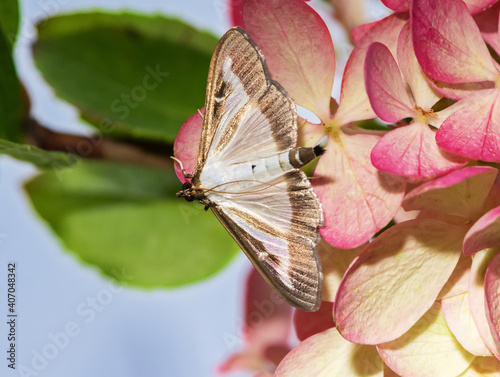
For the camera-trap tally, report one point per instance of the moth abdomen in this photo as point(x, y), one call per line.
point(301, 156)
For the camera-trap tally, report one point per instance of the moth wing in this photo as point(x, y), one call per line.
point(242, 103)
point(275, 224)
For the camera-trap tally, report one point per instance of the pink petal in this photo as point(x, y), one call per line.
point(263, 305)
point(357, 199)
point(474, 130)
point(309, 133)
point(485, 233)
point(424, 95)
point(236, 12)
point(377, 299)
point(428, 349)
point(354, 103)
point(476, 6)
point(459, 91)
point(397, 5)
point(487, 22)
point(359, 32)
point(384, 85)
point(309, 323)
point(298, 50)
point(334, 264)
point(266, 329)
point(328, 354)
point(448, 44)
point(459, 320)
point(492, 295)
point(412, 152)
point(458, 282)
point(459, 193)
point(187, 143)
point(477, 299)
point(402, 215)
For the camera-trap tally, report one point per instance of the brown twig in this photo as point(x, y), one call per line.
point(99, 147)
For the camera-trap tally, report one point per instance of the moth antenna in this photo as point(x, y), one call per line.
point(184, 173)
point(199, 112)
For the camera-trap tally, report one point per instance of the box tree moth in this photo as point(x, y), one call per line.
point(248, 171)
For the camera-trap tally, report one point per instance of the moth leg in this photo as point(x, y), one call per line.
point(205, 202)
point(184, 172)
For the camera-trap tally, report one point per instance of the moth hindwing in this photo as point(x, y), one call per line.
point(248, 171)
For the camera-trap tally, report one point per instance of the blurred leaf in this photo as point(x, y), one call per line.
point(128, 222)
point(145, 74)
point(10, 93)
point(39, 157)
point(9, 19)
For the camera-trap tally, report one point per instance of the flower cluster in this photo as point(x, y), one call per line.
point(423, 297)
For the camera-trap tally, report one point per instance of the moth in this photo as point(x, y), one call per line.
point(248, 171)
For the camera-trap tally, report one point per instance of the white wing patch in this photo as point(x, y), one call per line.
point(235, 99)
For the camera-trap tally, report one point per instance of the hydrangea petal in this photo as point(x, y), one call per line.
point(476, 6)
point(458, 282)
point(354, 103)
point(492, 295)
point(487, 22)
point(309, 323)
point(384, 85)
point(424, 95)
point(187, 143)
point(474, 130)
point(334, 264)
point(397, 5)
point(428, 349)
point(459, 91)
point(359, 31)
point(298, 50)
point(459, 320)
point(459, 193)
point(376, 301)
point(328, 354)
point(265, 332)
point(448, 43)
point(236, 12)
point(411, 151)
point(483, 367)
point(485, 233)
point(309, 133)
point(357, 199)
point(477, 299)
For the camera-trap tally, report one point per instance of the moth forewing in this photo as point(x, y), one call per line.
point(248, 171)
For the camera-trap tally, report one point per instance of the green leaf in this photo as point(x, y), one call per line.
point(9, 20)
point(128, 222)
point(39, 157)
point(10, 94)
point(144, 75)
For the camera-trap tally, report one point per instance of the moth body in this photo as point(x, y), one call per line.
point(248, 171)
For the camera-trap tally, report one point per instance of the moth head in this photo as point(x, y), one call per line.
point(190, 192)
